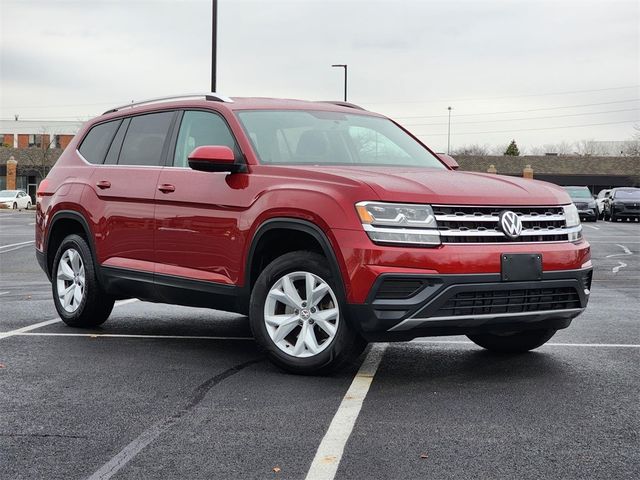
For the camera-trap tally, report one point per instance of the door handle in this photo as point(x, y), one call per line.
point(166, 188)
point(102, 184)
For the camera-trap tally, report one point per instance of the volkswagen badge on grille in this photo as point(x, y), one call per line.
point(510, 224)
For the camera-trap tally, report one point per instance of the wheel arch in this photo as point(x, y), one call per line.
point(63, 223)
point(284, 224)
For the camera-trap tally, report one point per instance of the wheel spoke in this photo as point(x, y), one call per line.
point(284, 330)
point(68, 295)
point(310, 340)
point(290, 291)
point(326, 315)
point(282, 297)
point(329, 328)
point(280, 320)
point(65, 272)
point(310, 283)
point(318, 294)
point(77, 295)
point(75, 261)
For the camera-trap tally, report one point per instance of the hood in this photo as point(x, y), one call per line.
point(425, 185)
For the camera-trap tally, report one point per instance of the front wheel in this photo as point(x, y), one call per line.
point(517, 342)
point(297, 315)
point(15, 206)
point(78, 297)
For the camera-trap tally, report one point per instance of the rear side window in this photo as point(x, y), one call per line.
point(145, 138)
point(201, 128)
point(95, 145)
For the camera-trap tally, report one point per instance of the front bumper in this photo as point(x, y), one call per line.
point(626, 211)
point(588, 213)
point(405, 306)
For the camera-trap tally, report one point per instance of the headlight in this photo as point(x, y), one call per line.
point(399, 223)
point(571, 217)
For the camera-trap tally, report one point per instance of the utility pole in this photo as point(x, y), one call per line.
point(343, 65)
point(449, 132)
point(214, 43)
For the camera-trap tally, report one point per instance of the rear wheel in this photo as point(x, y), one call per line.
point(28, 205)
point(78, 297)
point(517, 342)
point(297, 315)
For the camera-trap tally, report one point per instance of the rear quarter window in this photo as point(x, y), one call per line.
point(96, 143)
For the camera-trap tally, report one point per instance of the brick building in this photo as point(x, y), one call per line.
point(35, 145)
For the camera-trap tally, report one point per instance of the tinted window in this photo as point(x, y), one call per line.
point(95, 145)
point(201, 128)
point(145, 138)
point(114, 149)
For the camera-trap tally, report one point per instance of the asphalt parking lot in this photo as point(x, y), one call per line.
point(171, 392)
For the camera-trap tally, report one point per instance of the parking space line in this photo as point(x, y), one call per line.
point(325, 464)
point(127, 335)
point(550, 344)
point(28, 328)
point(15, 246)
point(4, 293)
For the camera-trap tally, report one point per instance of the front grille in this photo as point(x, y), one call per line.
point(509, 301)
point(581, 206)
point(466, 224)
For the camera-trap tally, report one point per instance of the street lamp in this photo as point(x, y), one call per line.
point(449, 132)
point(214, 42)
point(343, 65)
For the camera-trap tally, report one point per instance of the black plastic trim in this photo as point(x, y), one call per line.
point(286, 223)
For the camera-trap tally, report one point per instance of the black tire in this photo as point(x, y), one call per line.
point(28, 205)
point(518, 342)
point(15, 206)
point(95, 306)
point(345, 346)
point(613, 217)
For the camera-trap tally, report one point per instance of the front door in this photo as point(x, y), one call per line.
point(197, 231)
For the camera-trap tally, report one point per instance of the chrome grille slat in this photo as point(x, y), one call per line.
point(480, 224)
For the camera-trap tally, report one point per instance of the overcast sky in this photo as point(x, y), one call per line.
point(554, 65)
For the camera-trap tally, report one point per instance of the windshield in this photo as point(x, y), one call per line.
point(579, 192)
point(314, 137)
point(8, 193)
point(627, 194)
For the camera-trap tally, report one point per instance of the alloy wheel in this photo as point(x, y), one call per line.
point(301, 314)
point(70, 279)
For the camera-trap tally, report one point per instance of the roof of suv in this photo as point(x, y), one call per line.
point(238, 103)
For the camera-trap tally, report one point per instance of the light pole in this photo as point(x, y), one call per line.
point(214, 43)
point(449, 132)
point(343, 65)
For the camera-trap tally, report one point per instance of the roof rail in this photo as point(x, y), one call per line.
point(342, 104)
point(211, 96)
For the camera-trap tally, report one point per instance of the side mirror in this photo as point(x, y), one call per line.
point(449, 161)
point(214, 158)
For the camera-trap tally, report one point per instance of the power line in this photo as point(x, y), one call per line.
point(529, 118)
point(523, 111)
point(527, 95)
point(527, 129)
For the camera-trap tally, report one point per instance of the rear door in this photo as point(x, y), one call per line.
point(123, 190)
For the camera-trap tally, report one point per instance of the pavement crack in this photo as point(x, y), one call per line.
point(138, 444)
point(42, 435)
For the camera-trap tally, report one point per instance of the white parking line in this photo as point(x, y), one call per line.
point(4, 293)
point(127, 335)
point(550, 344)
point(617, 269)
point(325, 464)
point(28, 328)
point(591, 226)
point(15, 246)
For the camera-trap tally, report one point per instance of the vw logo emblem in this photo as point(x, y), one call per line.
point(510, 224)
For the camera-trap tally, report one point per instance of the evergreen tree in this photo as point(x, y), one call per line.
point(512, 149)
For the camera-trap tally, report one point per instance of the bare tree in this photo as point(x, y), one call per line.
point(590, 148)
point(475, 149)
point(632, 147)
point(38, 158)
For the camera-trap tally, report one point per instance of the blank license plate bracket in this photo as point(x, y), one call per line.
point(519, 267)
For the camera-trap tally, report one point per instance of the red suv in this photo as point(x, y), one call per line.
point(329, 225)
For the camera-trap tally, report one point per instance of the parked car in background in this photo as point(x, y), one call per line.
point(329, 225)
point(602, 195)
point(584, 202)
point(16, 199)
point(622, 203)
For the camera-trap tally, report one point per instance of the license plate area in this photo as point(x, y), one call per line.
point(519, 267)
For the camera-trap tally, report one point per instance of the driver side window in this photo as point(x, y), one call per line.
point(201, 128)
